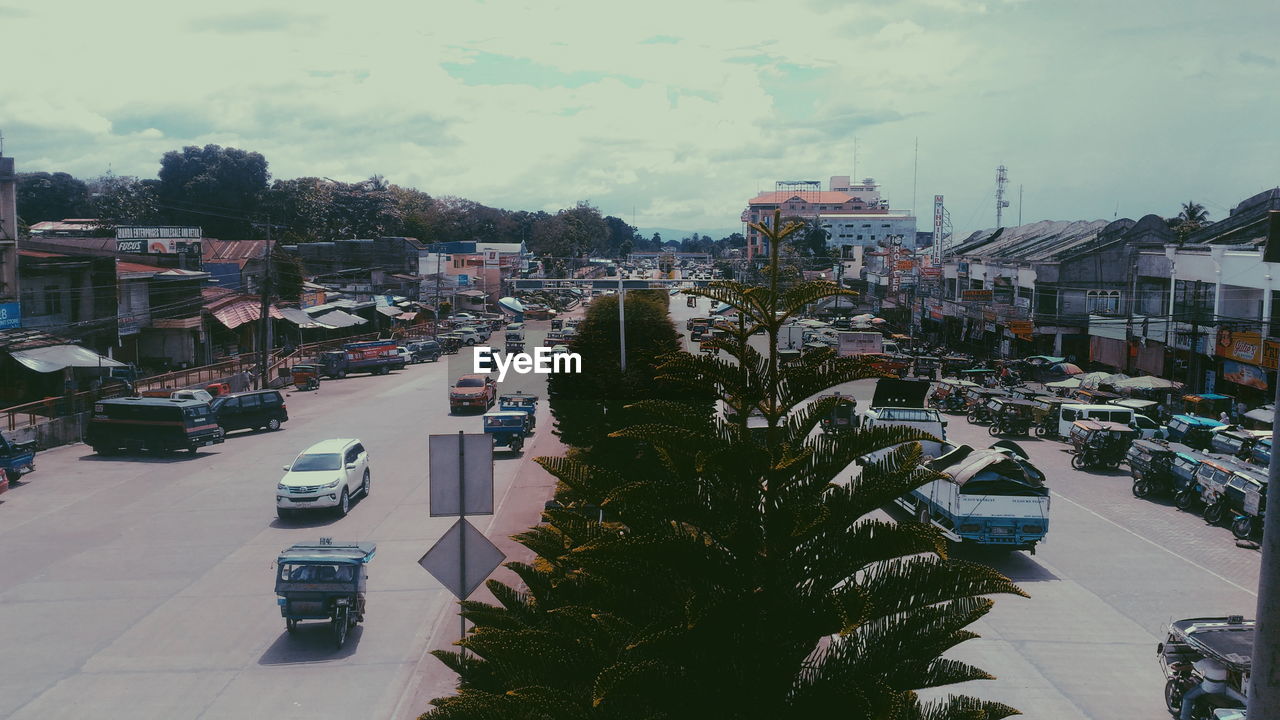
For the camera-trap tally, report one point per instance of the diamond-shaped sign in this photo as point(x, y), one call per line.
point(462, 559)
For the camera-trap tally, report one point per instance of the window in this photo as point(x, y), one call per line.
point(272, 399)
point(319, 461)
point(52, 300)
point(866, 224)
point(1069, 415)
point(859, 237)
point(885, 225)
point(250, 402)
point(1102, 302)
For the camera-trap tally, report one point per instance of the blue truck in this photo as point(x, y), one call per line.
point(16, 459)
point(377, 357)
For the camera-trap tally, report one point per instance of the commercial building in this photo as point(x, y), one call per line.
point(852, 213)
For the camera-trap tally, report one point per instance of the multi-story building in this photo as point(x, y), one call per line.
point(9, 303)
point(853, 214)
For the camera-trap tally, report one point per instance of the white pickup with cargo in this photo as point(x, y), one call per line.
point(859, 343)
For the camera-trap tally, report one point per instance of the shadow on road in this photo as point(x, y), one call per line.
point(312, 643)
point(1013, 564)
point(164, 459)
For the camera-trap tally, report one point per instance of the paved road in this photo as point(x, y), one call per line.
point(141, 587)
point(1114, 571)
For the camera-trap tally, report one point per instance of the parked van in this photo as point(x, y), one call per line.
point(1068, 414)
point(156, 424)
point(253, 410)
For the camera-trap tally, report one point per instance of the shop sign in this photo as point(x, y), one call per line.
point(10, 315)
point(1270, 354)
point(989, 315)
point(1241, 346)
point(1022, 328)
point(975, 295)
point(989, 327)
point(962, 268)
point(1242, 374)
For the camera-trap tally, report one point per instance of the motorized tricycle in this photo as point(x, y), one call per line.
point(1239, 496)
point(1099, 443)
point(306, 377)
point(1212, 473)
point(1210, 656)
point(843, 417)
point(926, 366)
point(557, 324)
point(16, 460)
point(976, 399)
point(1158, 466)
point(450, 343)
point(1208, 404)
point(323, 580)
point(508, 428)
point(521, 402)
point(1045, 415)
point(1010, 416)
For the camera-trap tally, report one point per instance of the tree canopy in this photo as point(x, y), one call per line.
point(735, 572)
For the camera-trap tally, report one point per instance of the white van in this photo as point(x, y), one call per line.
point(1068, 414)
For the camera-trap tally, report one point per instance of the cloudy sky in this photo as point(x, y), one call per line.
point(669, 113)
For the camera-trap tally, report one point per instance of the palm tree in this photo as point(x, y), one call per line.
point(734, 572)
point(1192, 217)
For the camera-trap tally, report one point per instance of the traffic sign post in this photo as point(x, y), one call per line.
point(460, 483)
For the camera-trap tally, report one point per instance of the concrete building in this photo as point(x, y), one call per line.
point(70, 296)
point(10, 311)
point(853, 213)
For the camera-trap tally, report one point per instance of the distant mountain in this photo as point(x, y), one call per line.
point(673, 234)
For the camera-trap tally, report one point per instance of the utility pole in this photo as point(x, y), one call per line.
point(264, 317)
point(1193, 368)
point(435, 320)
point(622, 326)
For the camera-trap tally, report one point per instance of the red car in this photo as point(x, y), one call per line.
point(473, 391)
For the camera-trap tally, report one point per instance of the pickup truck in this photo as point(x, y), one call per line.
point(377, 357)
point(473, 391)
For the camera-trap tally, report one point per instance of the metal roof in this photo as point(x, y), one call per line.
point(1037, 241)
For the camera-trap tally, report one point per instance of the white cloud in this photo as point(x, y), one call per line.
point(680, 109)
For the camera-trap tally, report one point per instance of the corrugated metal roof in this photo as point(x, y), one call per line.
point(1037, 241)
point(302, 320)
point(241, 309)
point(338, 318)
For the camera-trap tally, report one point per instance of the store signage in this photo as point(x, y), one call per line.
point(1022, 328)
point(159, 232)
point(1242, 374)
point(975, 295)
point(10, 315)
point(162, 246)
point(937, 223)
point(962, 268)
point(1270, 354)
point(1241, 346)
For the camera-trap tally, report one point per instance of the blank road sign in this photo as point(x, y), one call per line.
point(446, 562)
point(473, 494)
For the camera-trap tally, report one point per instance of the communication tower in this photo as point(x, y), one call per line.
point(1002, 179)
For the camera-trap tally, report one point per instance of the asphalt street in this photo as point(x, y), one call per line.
point(142, 587)
point(1113, 573)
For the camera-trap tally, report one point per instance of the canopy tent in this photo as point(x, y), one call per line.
point(1261, 415)
point(302, 320)
point(57, 357)
point(1045, 360)
point(1147, 382)
point(1069, 383)
point(1094, 379)
point(1067, 369)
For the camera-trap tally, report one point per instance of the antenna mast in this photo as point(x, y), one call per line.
point(1002, 179)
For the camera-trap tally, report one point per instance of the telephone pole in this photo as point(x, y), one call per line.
point(1193, 368)
point(264, 317)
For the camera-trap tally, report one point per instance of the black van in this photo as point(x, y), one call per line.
point(160, 424)
point(255, 409)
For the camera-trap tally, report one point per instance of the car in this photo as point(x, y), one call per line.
point(468, 335)
point(481, 329)
point(463, 316)
point(559, 349)
point(252, 410)
point(324, 476)
point(404, 353)
point(473, 391)
point(203, 396)
point(424, 350)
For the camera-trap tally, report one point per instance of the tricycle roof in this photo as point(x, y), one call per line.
point(329, 552)
point(505, 414)
point(1101, 425)
point(1228, 639)
point(1198, 420)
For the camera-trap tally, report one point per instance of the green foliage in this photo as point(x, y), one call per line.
point(125, 201)
point(590, 405)
point(286, 275)
point(216, 188)
point(736, 573)
point(51, 196)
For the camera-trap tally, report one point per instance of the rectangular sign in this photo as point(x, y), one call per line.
point(159, 232)
point(491, 258)
point(162, 246)
point(975, 295)
point(1022, 328)
point(461, 474)
point(1270, 354)
point(937, 221)
point(1242, 374)
point(1241, 346)
point(10, 315)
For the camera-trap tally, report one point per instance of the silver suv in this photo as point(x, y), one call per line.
point(324, 475)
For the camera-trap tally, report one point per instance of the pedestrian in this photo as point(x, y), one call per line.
point(1223, 417)
point(1214, 683)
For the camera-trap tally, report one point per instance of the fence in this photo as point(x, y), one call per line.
point(29, 417)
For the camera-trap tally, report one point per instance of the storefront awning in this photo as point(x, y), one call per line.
point(57, 357)
point(303, 320)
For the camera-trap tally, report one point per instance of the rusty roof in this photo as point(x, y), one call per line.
point(232, 251)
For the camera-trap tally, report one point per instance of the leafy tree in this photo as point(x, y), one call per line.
point(286, 274)
point(732, 576)
point(619, 233)
point(120, 200)
point(366, 209)
point(214, 187)
point(590, 405)
point(303, 204)
point(51, 196)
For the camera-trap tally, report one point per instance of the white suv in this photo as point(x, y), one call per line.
point(324, 475)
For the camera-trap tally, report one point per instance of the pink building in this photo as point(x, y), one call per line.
point(803, 201)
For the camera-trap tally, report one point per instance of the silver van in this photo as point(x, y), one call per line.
point(1068, 414)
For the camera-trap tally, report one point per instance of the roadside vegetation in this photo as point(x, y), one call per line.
point(735, 571)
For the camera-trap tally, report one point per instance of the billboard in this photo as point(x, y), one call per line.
point(158, 246)
point(975, 295)
point(1242, 346)
point(10, 315)
point(937, 223)
point(157, 232)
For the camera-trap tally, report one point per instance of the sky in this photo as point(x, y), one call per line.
point(671, 114)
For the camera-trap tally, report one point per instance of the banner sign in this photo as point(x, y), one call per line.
point(975, 295)
point(10, 315)
point(162, 246)
point(1241, 346)
point(1242, 374)
point(155, 233)
point(1270, 354)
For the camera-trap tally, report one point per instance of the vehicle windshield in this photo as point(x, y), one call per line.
point(471, 382)
point(317, 461)
point(316, 573)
